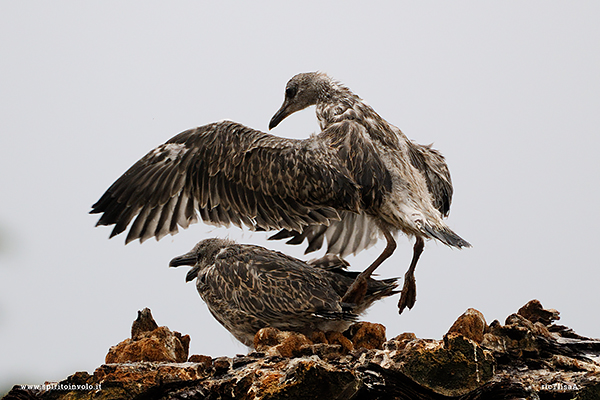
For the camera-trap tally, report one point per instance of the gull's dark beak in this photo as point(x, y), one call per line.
point(192, 273)
point(186, 259)
point(190, 259)
point(279, 115)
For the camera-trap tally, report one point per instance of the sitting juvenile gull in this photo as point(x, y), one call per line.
point(403, 185)
point(248, 287)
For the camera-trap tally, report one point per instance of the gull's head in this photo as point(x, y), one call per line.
point(202, 255)
point(302, 91)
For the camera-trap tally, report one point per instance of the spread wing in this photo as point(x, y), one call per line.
point(433, 166)
point(230, 174)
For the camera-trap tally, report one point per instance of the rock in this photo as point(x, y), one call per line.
point(266, 338)
point(527, 358)
point(534, 312)
point(400, 341)
point(571, 364)
point(452, 367)
point(543, 358)
point(283, 344)
point(313, 379)
point(471, 325)
point(144, 323)
point(200, 359)
point(367, 335)
point(149, 343)
point(519, 338)
point(326, 351)
point(338, 338)
point(318, 337)
point(325, 344)
point(406, 336)
point(221, 365)
point(119, 381)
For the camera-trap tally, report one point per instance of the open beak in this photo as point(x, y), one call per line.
point(192, 273)
point(279, 115)
point(186, 259)
point(190, 259)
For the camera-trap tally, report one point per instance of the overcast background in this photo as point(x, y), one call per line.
point(508, 91)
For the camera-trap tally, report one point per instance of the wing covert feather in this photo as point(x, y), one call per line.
point(433, 166)
point(276, 284)
point(230, 174)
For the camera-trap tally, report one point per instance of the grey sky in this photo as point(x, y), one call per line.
point(508, 91)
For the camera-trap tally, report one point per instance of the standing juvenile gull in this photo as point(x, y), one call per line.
point(248, 287)
point(403, 185)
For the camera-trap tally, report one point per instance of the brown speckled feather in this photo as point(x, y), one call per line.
point(403, 186)
point(249, 287)
point(433, 166)
point(231, 174)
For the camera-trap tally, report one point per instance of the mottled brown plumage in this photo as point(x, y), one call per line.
point(231, 174)
point(359, 179)
point(404, 186)
point(248, 287)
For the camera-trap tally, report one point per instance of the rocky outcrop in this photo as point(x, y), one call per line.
point(149, 342)
point(526, 357)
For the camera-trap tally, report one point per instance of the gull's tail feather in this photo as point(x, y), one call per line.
point(446, 236)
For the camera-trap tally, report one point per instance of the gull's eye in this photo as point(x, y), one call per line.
point(290, 92)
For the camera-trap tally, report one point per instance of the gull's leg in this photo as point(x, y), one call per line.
point(408, 297)
point(356, 292)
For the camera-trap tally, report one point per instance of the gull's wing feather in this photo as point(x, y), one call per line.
point(231, 174)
